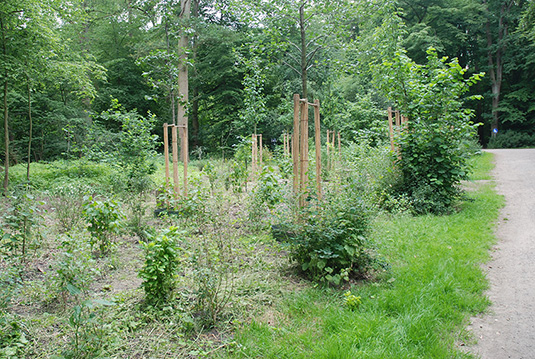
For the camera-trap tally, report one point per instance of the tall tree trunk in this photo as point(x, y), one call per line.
point(495, 52)
point(6, 138)
point(183, 84)
point(194, 113)
point(30, 135)
point(6, 121)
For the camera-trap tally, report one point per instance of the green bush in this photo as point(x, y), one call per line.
point(435, 145)
point(104, 220)
point(159, 272)
point(331, 244)
point(512, 139)
point(12, 337)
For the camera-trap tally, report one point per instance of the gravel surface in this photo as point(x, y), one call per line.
point(508, 330)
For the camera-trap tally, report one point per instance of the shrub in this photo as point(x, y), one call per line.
point(159, 271)
point(512, 139)
point(75, 269)
point(331, 244)
point(103, 219)
point(434, 147)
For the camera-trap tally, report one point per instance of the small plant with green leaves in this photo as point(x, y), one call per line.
point(213, 271)
point(104, 221)
point(351, 301)
point(159, 272)
point(22, 225)
point(90, 335)
point(13, 339)
point(210, 170)
point(75, 268)
point(67, 200)
point(265, 197)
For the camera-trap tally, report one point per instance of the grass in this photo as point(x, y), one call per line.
point(417, 309)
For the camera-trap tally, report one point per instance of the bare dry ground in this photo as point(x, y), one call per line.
point(508, 329)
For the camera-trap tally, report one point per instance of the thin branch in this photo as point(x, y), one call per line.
point(311, 55)
point(293, 58)
point(293, 68)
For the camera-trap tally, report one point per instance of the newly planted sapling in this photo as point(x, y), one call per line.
point(159, 272)
point(104, 221)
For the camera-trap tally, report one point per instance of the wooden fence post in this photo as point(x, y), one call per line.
point(175, 161)
point(295, 145)
point(318, 146)
point(166, 153)
point(303, 153)
point(391, 128)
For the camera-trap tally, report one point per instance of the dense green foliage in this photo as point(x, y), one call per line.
point(434, 145)
point(161, 265)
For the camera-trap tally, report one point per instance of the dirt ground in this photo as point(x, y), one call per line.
point(508, 329)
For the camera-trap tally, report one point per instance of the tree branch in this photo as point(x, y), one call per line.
point(293, 68)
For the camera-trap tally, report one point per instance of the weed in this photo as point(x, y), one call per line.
point(12, 337)
point(351, 301)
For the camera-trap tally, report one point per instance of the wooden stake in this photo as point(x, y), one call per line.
point(295, 145)
point(175, 160)
point(261, 153)
point(339, 148)
point(391, 128)
point(185, 149)
point(166, 153)
point(303, 154)
point(318, 146)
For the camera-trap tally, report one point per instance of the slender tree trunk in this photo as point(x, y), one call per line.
point(194, 113)
point(6, 113)
point(495, 52)
point(302, 27)
point(183, 84)
point(30, 135)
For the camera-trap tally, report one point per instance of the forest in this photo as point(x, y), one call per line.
point(63, 63)
point(364, 240)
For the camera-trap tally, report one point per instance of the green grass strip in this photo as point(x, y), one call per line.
point(418, 309)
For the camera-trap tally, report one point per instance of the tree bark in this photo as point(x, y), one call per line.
point(6, 113)
point(30, 135)
point(495, 61)
point(304, 70)
point(183, 84)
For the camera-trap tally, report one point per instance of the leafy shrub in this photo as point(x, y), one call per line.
point(434, 147)
point(22, 221)
point(331, 244)
point(104, 219)
point(67, 201)
point(90, 335)
point(512, 139)
point(75, 269)
point(266, 195)
point(159, 271)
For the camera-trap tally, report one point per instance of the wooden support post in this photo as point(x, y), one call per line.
point(295, 145)
point(261, 153)
point(339, 147)
point(166, 153)
point(391, 128)
point(317, 133)
point(175, 160)
point(254, 156)
point(185, 150)
point(398, 120)
point(303, 150)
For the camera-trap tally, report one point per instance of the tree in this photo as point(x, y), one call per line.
point(434, 146)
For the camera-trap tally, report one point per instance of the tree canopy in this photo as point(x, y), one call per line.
point(64, 63)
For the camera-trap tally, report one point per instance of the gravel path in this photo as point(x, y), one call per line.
point(508, 330)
